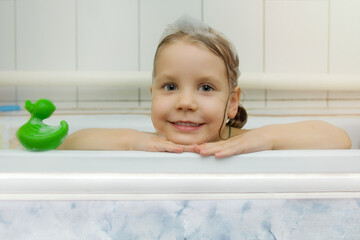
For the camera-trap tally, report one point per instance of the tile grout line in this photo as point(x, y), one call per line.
point(329, 36)
point(202, 10)
point(263, 50)
point(15, 53)
point(327, 99)
point(139, 48)
point(266, 98)
point(15, 37)
point(139, 35)
point(139, 97)
point(76, 37)
point(264, 32)
point(77, 51)
point(77, 97)
point(16, 96)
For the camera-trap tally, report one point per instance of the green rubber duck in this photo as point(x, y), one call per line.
point(37, 136)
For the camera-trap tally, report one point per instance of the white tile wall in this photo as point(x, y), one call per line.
point(296, 104)
point(154, 17)
point(145, 94)
point(62, 97)
point(253, 98)
point(253, 104)
point(242, 22)
point(8, 95)
point(339, 95)
point(296, 36)
point(254, 95)
point(296, 99)
point(45, 35)
point(343, 104)
point(295, 95)
point(345, 36)
point(108, 93)
point(53, 93)
point(145, 105)
point(107, 35)
point(108, 105)
point(7, 33)
point(317, 36)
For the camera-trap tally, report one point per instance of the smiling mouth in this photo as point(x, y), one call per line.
point(186, 126)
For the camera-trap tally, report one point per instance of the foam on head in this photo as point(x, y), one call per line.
point(187, 24)
point(193, 26)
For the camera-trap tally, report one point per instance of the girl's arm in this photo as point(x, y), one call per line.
point(118, 139)
point(301, 135)
point(313, 134)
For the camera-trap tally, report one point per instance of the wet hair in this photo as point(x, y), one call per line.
point(217, 44)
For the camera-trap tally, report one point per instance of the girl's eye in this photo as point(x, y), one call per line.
point(206, 88)
point(170, 87)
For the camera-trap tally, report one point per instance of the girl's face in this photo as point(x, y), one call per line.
point(189, 94)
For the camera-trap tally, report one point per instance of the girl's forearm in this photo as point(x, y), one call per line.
point(99, 139)
point(313, 134)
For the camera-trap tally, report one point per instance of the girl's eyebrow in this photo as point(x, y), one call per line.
point(166, 77)
point(209, 78)
point(206, 78)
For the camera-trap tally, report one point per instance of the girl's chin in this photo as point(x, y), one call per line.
point(189, 140)
point(185, 142)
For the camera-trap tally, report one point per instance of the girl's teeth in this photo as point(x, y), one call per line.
point(187, 124)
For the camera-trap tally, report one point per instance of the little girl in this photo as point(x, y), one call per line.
point(195, 105)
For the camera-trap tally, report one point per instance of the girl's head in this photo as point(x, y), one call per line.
point(195, 64)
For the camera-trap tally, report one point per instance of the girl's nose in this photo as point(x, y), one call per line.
point(186, 101)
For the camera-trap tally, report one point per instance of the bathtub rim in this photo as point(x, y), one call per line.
point(34, 185)
point(15, 161)
point(178, 197)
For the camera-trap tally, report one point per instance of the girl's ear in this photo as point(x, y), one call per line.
point(234, 102)
point(151, 90)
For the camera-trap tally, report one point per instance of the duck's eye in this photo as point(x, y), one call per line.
point(170, 87)
point(206, 88)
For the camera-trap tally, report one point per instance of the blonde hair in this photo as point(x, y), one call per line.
point(221, 47)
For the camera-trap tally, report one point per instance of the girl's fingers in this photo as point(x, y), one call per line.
point(232, 148)
point(189, 148)
point(220, 149)
point(156, 143)
point(161, 144)
point(165, 146)
point(227, 153)
point(208, 149)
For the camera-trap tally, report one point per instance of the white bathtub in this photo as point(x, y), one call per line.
point(140, 195)
point(143, 175)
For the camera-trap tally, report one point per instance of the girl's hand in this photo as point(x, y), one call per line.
point(151, 142)
point(120, 139)
point(313, 134)
point(250, 141)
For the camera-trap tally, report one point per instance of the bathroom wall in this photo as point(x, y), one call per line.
point(271, 36)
